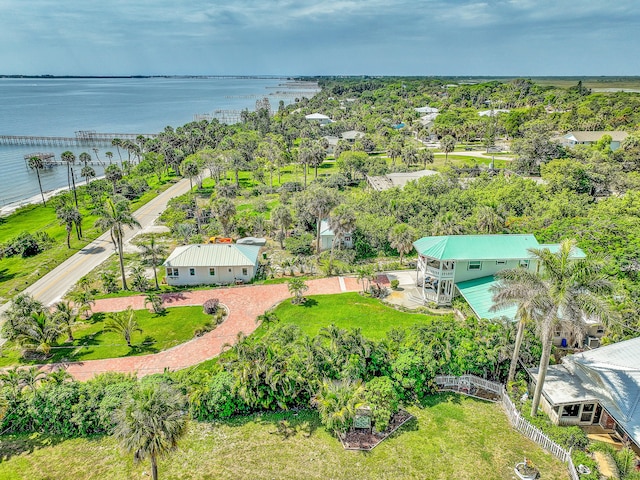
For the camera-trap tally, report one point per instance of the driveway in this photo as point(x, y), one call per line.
point(245, 303)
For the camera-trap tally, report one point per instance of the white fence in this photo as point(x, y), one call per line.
point(515, 418)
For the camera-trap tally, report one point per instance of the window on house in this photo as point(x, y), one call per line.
point(524, 263)
point(475, 266)
point(245, 272)
point(192, 271)
point(587, 412)
point(229, 270)
point(501, 262)
point(600, 330)
point(571, 410)
point(212, 271)
point(172, 272)
point(557, 332)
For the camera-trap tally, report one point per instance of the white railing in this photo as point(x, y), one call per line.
point(432, 296)
point(515, 418)
point(437, 273)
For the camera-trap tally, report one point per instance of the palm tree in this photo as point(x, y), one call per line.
point(116, 142)
point(401, 237)
point(337, 402)
point(448, 223)
point(394, 150)
point(124, 323)
point(88, 172)
point(152, 254)
point(224, 210)
point(83, 299)
point(488, 220)
point(151, 422)
point(68, 215)
point(513, 289)
point(113, 174)
point(37, 164)
point(109, 155)
point(319, 202)
point(448, 143)
point(564, 291)
point(115, 215)
point(189, 168)
point(85, 158)
point(297, 287)
point(342, 221)
point(39, 332)
point(282, 218)
point(66, 317)
point(155, 301)
point(69, 158)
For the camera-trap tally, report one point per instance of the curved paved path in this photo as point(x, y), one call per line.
point(245, 303)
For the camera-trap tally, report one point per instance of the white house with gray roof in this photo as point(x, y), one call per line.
point(597, 387)
point(212, 264)
point(587, 138)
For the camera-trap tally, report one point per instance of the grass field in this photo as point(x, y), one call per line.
point(451, 438)
point(159, 332)
point(17, 273)
point(347, 310)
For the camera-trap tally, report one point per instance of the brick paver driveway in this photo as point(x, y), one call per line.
point(245, 303)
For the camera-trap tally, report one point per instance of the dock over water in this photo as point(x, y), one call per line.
point(83, 138)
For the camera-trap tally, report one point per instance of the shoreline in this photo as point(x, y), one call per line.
point(10, 208)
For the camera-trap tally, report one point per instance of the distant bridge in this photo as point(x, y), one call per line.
point(83, 138)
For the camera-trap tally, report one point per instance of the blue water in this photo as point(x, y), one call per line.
point(60, 107)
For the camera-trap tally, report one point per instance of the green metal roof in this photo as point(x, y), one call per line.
point(213, 255)
point(477, 247)
point(478, 295)
point(555, 248)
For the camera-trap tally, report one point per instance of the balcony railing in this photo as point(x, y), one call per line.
point(442, 275)
point(431, 296)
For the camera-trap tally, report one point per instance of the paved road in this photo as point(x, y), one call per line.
point(50, 288)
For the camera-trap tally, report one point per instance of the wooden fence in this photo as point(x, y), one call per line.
point(446, 382)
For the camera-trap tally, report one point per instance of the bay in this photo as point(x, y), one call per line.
point(63, 106)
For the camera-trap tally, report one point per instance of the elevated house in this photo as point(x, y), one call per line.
point(212, 264)
point(597, 388)
point(327, 236)
point(466, 264)
point(587, 138)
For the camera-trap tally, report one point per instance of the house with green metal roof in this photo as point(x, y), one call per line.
point(466, 264)
point(212, 264)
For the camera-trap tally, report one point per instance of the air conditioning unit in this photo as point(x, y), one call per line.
point(592, 342)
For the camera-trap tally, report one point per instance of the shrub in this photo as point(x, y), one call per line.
point(299, 244)
point(383, 400)
point(395, 283)
point(291, 187)
point(211, 306)
point(218, 399)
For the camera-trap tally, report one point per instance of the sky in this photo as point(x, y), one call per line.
point(320, 37)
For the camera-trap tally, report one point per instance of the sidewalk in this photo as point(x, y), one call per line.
point(245, 303)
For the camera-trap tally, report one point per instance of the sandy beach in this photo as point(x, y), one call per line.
point(12, 207)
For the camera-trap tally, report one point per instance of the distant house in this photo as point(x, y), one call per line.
point(492, 113)
point(587, 138)
point(427, 109)
point(597, 387)
point(212, 264)
point(466, 264)
point(352, 135)
point(327, 236)
point(318, 118)
point(398, 179)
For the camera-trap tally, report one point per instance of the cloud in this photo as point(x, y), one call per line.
point(355, 36)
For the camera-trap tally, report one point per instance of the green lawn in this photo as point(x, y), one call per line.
point(466, 161)
point(17, 273)
point(347, 310)
point(452, 438)
point(159, 332)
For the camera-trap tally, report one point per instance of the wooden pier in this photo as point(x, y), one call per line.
point(83, 138)
point(49, 160)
